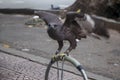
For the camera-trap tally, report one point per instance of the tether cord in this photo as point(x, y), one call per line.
point(63, 60)
point(57, 70)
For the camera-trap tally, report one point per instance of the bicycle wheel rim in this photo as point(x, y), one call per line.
point(77, 65)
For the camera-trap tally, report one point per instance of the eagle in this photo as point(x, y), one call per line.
point(76, 26)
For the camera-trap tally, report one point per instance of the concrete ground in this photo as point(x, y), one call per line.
point(16, 68)
point(18, 65)
point(98, 56)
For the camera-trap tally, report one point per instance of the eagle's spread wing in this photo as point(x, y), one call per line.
point(83, 24)
point(49, 18)
point(93, 27)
